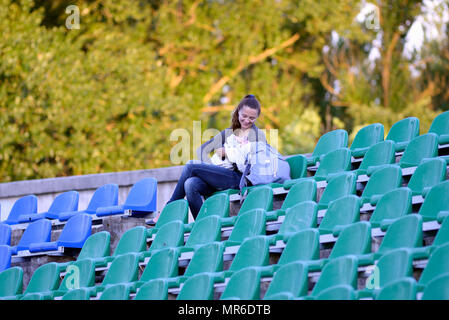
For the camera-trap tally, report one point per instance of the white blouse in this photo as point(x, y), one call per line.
point(237, 150)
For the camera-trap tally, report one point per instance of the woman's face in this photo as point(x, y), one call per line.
point(247, 116)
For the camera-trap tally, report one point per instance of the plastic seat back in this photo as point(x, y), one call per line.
point(142, 196)
point(437, 289)
point(44, 279)
point(442, 236)
point(437, 265)
point(379, 154)
point(77, 294)
point(334, 162)
point(76, 231)
point(170, 235)
point(393, 204)
point(367, 136)
point(338, 186)
point(207, 258)
point(98, 245)
point(354, 239)
point(64, 202)
point(123, 269)
point(427, 174)
point(11, 282)
point(104, 196)
point(330, 141)
point(302, 246)
point(218, 205)
point(405, 232)
point(177, 210)
point(291, 279)
point(402, 289)
point(37, 231)
point(24, 205)
point(162, 264)
point(259, 198)
point(252, 252)
point(421, 147)
point(382, 180)
point(403, 131)
point(299, 217)
point(5, 234)
point(440, 126)
point(79, 274)
point(116, 292)
point(343, 211)
point(393, 265)
point(205, 231)
point(341, 292)
point(249, 224)
point(338, 271)
point(5, 257)
point(156, 289)
point(303, 190)
point(435, 201)
point(197, 287)
point(133, 240)
point(243, 285)
point(298, 166)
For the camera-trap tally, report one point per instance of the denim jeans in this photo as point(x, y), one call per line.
point(202, 179)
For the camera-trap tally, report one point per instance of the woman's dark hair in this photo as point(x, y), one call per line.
point(248, 101)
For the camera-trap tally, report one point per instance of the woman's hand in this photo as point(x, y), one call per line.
point(220, 152)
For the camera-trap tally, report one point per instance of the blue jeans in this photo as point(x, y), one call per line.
point(202, 179)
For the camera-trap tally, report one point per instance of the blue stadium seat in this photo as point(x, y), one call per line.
point(37, 231)
point(142, 198)
point(104, 196)
point(73, 235)
point(24, 205)
point(5, 257)
point(67, 201)
point(5, 234)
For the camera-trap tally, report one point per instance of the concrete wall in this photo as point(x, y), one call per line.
point(47, 189)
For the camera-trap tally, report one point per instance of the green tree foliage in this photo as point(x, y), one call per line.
point(106, 97)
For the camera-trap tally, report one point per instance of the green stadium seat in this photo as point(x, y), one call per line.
point(405, 232)
point(437, 265)
point(116, 292)
point(11, 282)
point(299, 217)
point(253, 252)
point(437, 289)
point(156, 289)
point(328, 142)
point(204, 231)
point(162, 264)
point(341, 212)
point(45, 279)
point(77, 294)
point(436, 202)
point(217, 205)
point(243, 285)
point(177, 210)
point(303, 190)
point(421, 147)
point(338, 186)
point(354, 239)
point(392, 205)
point(98, 245)
point(170, 235)
point(381, 181)
point(197, 287)
point(402, 289)
point(289, 281)
point(440, 126)
point(365, 138)
point(260, 198)
point(427, 174)
point(249, 224)
point(403, 131)
point(377, 155)
point(340, 292)
point(298, 166)
point(84, 273)
point(332, 163)
point(338, 271)
point(441, 238)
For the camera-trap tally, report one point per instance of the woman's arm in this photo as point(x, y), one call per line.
point(206, 148)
